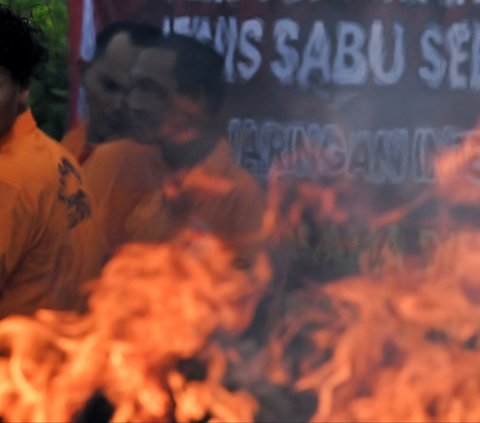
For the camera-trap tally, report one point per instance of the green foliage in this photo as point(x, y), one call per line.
point(49, 90)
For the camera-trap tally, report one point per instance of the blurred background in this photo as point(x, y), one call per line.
point(49, 91)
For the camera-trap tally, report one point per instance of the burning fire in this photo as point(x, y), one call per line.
point(153, 308)
point(166, 337)
point(401, 346)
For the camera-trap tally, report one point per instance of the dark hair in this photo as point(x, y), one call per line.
point(198, 68)
point(20, 50)
point(141, 35)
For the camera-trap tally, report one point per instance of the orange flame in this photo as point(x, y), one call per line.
point(153, 306)
point(400, 344)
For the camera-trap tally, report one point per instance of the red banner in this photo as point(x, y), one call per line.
point(360, 80)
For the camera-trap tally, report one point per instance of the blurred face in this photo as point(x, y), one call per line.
point(160, 113)
point(106, 83)
point(12, 100)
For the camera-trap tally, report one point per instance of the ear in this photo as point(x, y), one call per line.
point(208, 102)
point(22, 98)
point(24, 94)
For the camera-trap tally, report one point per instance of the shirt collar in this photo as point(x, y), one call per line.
point(215, 163)
point(24, 124)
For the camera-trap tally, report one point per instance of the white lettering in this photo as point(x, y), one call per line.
point(350, 65)
point(284, 68)
point(435, 73)
point(377, 54)
point(252, 30)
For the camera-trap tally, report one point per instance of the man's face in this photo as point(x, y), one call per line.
point(160, 113)
point(12, 100)
point(106, 83)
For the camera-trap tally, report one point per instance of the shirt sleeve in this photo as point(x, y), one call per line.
point(117, 177)
point(15, 229)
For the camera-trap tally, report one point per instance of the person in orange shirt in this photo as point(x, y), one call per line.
point(184, 174)
point(105, 80)
point(49, 243)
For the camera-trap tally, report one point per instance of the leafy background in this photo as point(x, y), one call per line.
point(49, 90)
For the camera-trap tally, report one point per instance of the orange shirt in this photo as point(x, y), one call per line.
point(49, 241)
point(75, 140)
point(142, 200)
point(120, 173)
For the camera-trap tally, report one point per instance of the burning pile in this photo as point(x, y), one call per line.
point(400, 343)
point(154, 308)
point(401, 346)
point(161, 339)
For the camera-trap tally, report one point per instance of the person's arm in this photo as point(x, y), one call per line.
point(15, 229)
point(117, 175)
